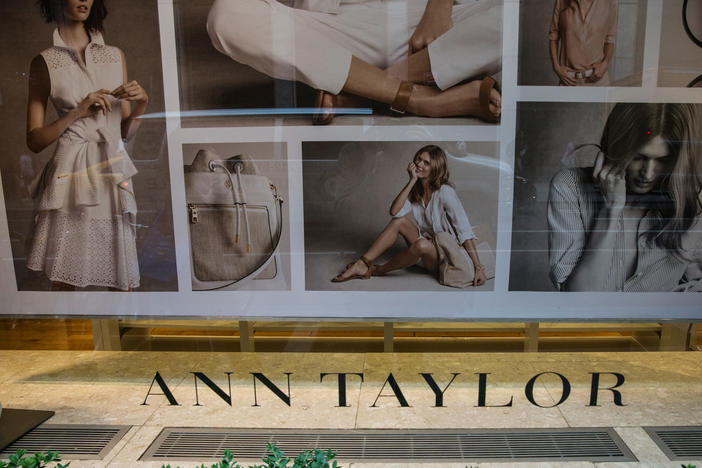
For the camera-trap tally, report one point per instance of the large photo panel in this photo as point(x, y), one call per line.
point(574, 43)
point(607, 198)
point(397, 216)
point(680, 59)
point(238, 218)
point(88, 199)
point(347, 62)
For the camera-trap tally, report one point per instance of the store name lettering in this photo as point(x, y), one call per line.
point(391, 389)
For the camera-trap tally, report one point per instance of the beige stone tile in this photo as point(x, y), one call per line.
point(312, 404)
point(23, 365)
point(642, 446)
point(467, 464)
point(82, 404)
point(122, 367)
point(86, 463)
point(65, 400)
point(646, 450)
point(140, 438)
point(504, 382)
point(656, 391)
point(642, 464)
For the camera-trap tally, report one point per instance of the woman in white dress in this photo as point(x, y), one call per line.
point(84, 232)
point(426, 205)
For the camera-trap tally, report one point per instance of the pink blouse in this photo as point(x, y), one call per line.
point(583, 35)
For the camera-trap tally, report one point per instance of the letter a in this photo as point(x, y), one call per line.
point(395, 389)
point(166, 391)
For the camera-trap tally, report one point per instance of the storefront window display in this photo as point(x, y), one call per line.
point(350, 176)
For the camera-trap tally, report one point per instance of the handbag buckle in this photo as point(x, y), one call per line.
point(193, 214)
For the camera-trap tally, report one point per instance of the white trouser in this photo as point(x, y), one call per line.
point(316, 47)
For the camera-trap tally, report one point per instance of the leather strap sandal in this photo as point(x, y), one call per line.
point(486, 86)
point(367, 275)
point(402, 98)
point(322, 115)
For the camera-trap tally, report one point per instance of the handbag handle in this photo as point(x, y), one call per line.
point(213, 165)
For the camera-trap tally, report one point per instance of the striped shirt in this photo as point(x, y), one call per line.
point(573, 204)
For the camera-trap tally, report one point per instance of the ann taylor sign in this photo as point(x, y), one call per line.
point(391, 389)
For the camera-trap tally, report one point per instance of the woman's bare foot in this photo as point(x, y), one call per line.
point(328, 104)
point(459, 100)
point(356, 270)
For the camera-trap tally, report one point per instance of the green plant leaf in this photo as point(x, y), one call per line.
point(32, 462)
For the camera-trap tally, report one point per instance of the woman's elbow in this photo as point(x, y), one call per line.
point(34, 144)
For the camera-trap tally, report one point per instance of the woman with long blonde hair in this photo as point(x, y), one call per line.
point(427, 205)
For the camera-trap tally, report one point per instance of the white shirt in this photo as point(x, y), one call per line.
point(443, 213)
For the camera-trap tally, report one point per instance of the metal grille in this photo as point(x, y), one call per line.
point(678, 443)
point(567, 444)
point(71, 441)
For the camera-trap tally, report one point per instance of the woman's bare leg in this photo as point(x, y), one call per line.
point(371, 82)
point(421, 248)
point(415, 68)
point(398, 226)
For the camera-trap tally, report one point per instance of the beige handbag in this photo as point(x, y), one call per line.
point(455, 266)
point(235, 217)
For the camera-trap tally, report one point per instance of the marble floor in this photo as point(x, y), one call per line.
point(88, 387)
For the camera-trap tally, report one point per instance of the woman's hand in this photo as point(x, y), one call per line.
point(562, 72)
point(412, 170)
point(435, 21)
point(479, 278)
point(599, 70)
point(95, 102)
point(131, 91)
point(612, 183)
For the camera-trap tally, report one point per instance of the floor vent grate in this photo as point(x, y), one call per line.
point(71, 441)
point(678, 443)
point(567, 444)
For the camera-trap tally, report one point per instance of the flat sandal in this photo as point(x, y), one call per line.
point(365, 276)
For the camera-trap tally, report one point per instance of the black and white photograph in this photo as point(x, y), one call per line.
point(400, 216)
point(680, 59)
point(347, 62)
point(581, 42)
point(238, 221)
point(85, 176)
point(607, 198)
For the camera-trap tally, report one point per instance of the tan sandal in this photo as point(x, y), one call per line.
point(365, 276)
point(402, 98)
point(486, 86)
point(322, 115)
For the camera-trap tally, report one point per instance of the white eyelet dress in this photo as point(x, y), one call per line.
point(85, 227)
